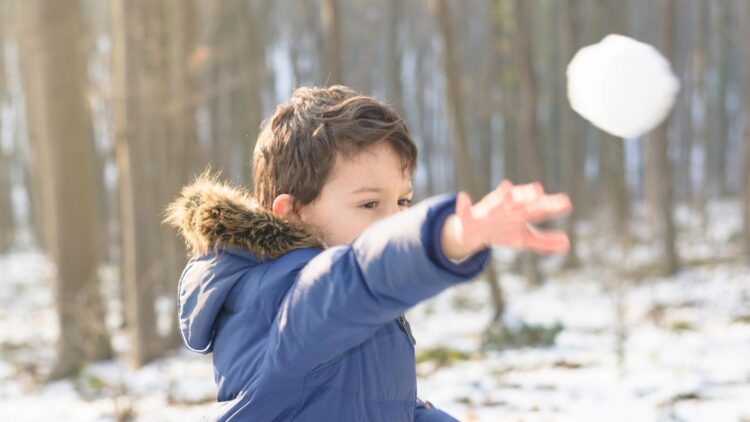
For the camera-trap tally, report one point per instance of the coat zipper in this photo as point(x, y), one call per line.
point(407, 328)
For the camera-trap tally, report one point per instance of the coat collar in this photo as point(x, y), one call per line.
point(210, 214)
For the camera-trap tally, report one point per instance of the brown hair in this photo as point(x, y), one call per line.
point(299, 143)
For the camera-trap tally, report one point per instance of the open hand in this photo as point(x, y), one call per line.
point(504, 217)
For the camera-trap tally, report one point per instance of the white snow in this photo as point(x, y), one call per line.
point(622, 86)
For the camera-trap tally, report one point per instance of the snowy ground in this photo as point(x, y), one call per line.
point(686, 352)
point(684, 346)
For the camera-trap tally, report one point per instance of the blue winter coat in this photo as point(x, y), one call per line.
point(303, 333)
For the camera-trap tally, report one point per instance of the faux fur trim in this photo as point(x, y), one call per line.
point(209, 214)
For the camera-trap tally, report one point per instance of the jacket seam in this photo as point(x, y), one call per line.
point(261, 279)
point(298, 407)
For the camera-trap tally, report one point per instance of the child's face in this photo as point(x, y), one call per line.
point(360, 191)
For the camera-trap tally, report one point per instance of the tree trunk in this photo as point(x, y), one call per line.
point(305, 43)
point(488, 80)
point(529, 150)
point(723, 11)
point(610, 16)
point(702, 89)
point(40, 193)
point(510, 95)
point(178, 161)
point(572, 144)
point(467, 180)
point(222, 41)
point(394, 93)
point(662, 167)
point(332, 49)
point(426, 120)
point(50, 39)
point(252, 65)
point(7, 225)
point(134, 126)
point(684, 188)
point(745, 176)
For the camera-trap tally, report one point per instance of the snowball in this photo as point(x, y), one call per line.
point(622, 86)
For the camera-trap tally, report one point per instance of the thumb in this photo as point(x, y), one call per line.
point(463, 206)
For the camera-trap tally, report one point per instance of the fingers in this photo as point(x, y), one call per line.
point(547, 207)
point(546, 241)
point(492, 203)
point(527, 193)
point(505, 187)
point(508, 211)
point(500, 194)
point(537, 188)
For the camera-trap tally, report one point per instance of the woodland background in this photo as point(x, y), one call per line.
point(107, 108)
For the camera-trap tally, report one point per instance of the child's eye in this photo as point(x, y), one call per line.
point(404, 202)
point(370, 205)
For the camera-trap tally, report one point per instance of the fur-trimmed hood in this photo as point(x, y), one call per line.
point(210, 214)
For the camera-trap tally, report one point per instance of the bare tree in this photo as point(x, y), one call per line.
point(237, 83)
point(745, 176)
point(661, 166)
point(423, 114)
point(7, 228)
point(54, 86)
point(177, 157)
point(573, 144)
point(611, 16)
point(684, 122)
point(467, 179)
point(248, 98)
point(7, 225)
point(393, 55)
point(509, 87)
point(134, 107)
point(700, 66)
point(331, 24)
point(722, 13)
point(529, 148)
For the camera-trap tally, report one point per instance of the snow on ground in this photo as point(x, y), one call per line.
point(685, 351)
point(684, 344)
point(178, 387)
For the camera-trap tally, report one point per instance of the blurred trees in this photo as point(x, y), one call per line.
point(54, 82)
point(528, 143)
point(332, 40)
point(7, 229)
point(745, 174)
point(138, 95)
point(177, 85)
point(574, 149)
point(468, 178)
point(658, 165)
point(155, 129)
point(612, 192)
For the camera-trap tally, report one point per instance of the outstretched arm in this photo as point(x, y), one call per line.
point(345, 293)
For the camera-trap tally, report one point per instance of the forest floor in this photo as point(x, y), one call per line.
point(629, 345)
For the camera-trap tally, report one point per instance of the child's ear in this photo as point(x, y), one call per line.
point(282, 206)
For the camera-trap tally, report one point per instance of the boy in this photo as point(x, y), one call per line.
point(300, 291)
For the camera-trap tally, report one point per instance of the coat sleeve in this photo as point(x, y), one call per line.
point(343, 294)
point(426, 412)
